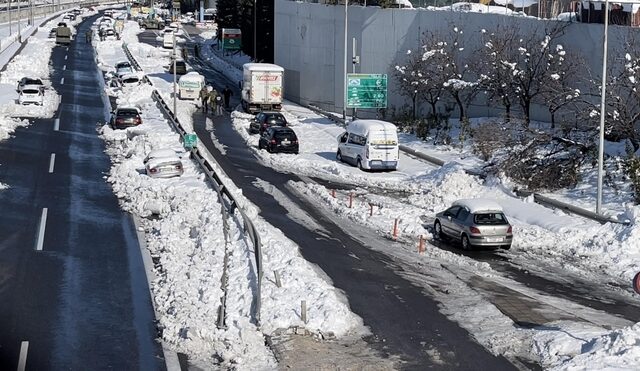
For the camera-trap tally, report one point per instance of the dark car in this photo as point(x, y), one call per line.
point(52, 33)
point(264, 120)
point(181, 68)
point(125, 117)
point(279, 139)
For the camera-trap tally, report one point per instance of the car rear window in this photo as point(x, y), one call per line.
point(131, 80)
point(285, 135)
point(127, 113)
point(490, 219)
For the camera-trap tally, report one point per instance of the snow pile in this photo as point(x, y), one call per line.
point(9, 124)
point(184, 230)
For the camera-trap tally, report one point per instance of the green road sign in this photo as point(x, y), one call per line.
point(190, 141)
point(231, 39)
point(366, 90)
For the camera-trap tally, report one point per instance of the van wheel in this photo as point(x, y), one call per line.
point(360, 164)
point(339, 156)
point(466, 245)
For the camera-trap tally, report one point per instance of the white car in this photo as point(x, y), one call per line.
point(163, 163)
point(31, 94)
point(129, 80)
point(123, 68)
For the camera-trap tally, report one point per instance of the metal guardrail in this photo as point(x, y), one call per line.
point(538, 198)
point(227, 200)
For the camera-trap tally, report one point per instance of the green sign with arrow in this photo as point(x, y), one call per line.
point(366, 90)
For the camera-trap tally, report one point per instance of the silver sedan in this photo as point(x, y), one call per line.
point(474, 222)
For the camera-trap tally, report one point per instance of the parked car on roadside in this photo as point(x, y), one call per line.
point(124, 68)
point(129, 80)
point(181, 67)
point(163, 163)
point(125, 116)
point(30, 82)
point(266, 119)
point(279, 139)
point(474, 222)
point(110, 34)
point(52, 33)
point(31, 94)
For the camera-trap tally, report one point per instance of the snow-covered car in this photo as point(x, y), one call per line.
point(163, 163)
point(110, 34)
point(124, 68)
point(52, 33)
point(129, 80)
point(126, 116)
point(474, 222)
point(31, 94)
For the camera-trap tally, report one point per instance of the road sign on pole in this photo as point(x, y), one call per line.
point(366, 90)
point(190, 140)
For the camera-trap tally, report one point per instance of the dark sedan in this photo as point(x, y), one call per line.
point(125, 117)
point(264, 120)
point(279, 139)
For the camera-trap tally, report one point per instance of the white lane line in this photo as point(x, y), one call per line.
point(22, 362)
point(62, 81)
point(65, 57)
point(43, 225)
point(56, 124)
point(52, 162)
point(64, 67)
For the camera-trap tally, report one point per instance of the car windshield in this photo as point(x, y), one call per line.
point(32, 82)
point(132, 80)
point(490, 218)
point(127, 113)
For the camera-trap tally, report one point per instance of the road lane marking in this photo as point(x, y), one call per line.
point(52, 162)
point(64, 67)
point(65, 57)
point(56, 124)
point(22, 362)
point(62, 81)
point(43, 225)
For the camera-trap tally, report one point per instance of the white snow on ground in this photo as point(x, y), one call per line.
point(550, 237)
point(187, 241)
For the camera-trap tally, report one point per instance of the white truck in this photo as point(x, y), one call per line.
point(262, 87)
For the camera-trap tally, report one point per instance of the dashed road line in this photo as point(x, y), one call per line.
point(65, 57)
point(64, 67)
point(62, 81)
point(43, 225)
point(52, 162)
point(22, 361)
point(56, 124)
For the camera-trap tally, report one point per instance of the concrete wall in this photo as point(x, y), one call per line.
point(45, 10)
point(309, 44)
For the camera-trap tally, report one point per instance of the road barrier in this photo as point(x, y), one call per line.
point(227, 200)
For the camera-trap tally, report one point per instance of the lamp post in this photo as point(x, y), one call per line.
point(602, 108)
point(255, 28)
point(344, 82)
point(175, 85)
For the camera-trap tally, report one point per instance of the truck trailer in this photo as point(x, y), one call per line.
point(262, 87)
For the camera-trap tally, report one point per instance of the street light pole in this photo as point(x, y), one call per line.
point(175, 85)
point(19, 19)
point(255, 28)
point(602, 109)
point(344, 83)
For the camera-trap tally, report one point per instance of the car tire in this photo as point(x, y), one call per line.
point(437, 231)
point(260, 147)
point(464, 241)
point(339, 156)
point(359, 163)
point(505, 247)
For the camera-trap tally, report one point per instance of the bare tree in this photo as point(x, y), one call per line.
point(409, 78)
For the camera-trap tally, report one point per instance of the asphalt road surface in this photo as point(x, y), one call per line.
point(406, 324)
point(74, 293)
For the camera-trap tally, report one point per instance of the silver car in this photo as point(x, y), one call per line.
point(474, 222)
point(163, 163)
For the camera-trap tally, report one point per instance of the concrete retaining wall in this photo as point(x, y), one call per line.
point(309, 44)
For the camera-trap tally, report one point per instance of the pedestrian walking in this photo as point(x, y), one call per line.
point(213, 103)
point(219, 103)
point(227, 93)
point(204, 98)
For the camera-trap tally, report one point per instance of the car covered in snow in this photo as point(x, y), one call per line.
point(129, 80)
point(474, 222)
point(163, 163)
point(124, 68)
point(30, 81)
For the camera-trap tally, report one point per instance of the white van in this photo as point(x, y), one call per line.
point(189, 85)
point(369, 144)
point(167, 40)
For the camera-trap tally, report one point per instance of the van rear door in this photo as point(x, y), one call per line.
point(383, 146)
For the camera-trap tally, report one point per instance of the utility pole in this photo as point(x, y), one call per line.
point(10, 11)
point(255, 28)
point(344, 82)
point(19, 19)
point(603, 112)
point(355, 60)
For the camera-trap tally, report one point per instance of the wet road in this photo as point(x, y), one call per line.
point(72, 280)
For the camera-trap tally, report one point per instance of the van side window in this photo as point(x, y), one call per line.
point(357, 139)
point(343, 138)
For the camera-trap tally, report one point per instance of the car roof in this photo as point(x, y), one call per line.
point(362, 127)
point(281, 128)
point(122, 108)
point(479, 204)
point(130, 75)
point(161, 152)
